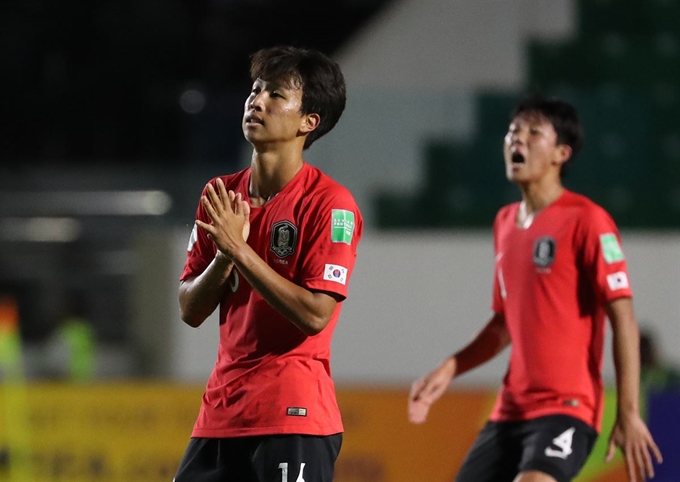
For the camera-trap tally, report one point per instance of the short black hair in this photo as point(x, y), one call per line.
point(322, 82)
point(562, 116)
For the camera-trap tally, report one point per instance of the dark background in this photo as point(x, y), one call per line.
point(89, 82)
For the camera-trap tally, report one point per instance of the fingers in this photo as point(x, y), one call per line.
point(418, 407)
point(656, 451)
point(222, 191)
point(631, 470)
point(417, 411)
point(647, 457)
point(209, 228)
point(210, 208)
point(416, 388)
point(638, 458)
point(218, 200)
point(219, 197)
point(635, 458)
point(646, 469)
point(214, 198)
point(610, 451)
point(237, 202)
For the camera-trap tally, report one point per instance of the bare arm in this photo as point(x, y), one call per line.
point(630, 432)
point(488, 343)
point(309, 310)
point(199, 296)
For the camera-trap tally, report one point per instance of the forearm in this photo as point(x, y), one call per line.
point(198, 297)
point(488, 343)
point(626, 354)
point(305, 309)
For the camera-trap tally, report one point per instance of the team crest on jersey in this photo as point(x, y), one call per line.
point(284, 238)
point(544, 251)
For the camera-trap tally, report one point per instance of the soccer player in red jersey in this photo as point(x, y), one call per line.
point(274, 247)
point(560, 271)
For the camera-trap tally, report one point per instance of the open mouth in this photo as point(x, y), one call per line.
point(517, 158)
point(251, 119)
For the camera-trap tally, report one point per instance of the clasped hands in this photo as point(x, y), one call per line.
point(229, 215)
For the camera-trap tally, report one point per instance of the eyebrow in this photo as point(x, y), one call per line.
point(277, 84)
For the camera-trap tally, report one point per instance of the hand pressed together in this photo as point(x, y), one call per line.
point(230, 216)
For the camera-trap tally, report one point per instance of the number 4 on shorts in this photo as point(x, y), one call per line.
point(563, 441)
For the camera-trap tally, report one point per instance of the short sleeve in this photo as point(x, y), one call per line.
point(334, 226)
point(603, 256)
point(200, 249)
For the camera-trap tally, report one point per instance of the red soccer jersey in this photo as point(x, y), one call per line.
point(551, 281)
point(269, 377)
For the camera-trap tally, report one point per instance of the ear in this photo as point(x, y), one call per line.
point(562, 153)
point(309, 123)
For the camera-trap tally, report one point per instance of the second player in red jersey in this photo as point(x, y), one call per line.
point(554, 313)
point(560, 270)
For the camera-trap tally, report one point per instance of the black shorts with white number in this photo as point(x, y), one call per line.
point(271, 458)
point(557, 445)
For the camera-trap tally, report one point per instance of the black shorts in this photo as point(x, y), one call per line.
point(271, 458)
point(557, 445)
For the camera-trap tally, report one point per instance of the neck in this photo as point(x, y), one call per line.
point(270, 173)
point(536, 199)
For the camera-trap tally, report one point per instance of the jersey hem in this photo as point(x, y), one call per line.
point(247, 432)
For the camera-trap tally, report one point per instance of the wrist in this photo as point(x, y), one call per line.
point(223, 259)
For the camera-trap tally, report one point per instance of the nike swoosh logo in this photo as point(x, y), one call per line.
point(233, 285)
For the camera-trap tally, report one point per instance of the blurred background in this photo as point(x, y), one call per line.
point(118, 112)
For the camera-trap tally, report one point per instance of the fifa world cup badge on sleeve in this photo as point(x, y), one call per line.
point(342, 226)
point(611, 248)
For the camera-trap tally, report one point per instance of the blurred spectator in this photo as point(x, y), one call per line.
point(655, 373)
point(71, 349)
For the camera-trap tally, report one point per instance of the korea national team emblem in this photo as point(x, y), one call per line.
point(544, 251)
point(284, 238)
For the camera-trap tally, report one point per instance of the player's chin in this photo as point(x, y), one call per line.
point(511, 176)
point(514, 174)
point(250, 131)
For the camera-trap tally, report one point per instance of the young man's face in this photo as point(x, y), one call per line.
point(272, 113)
point(531, 150)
